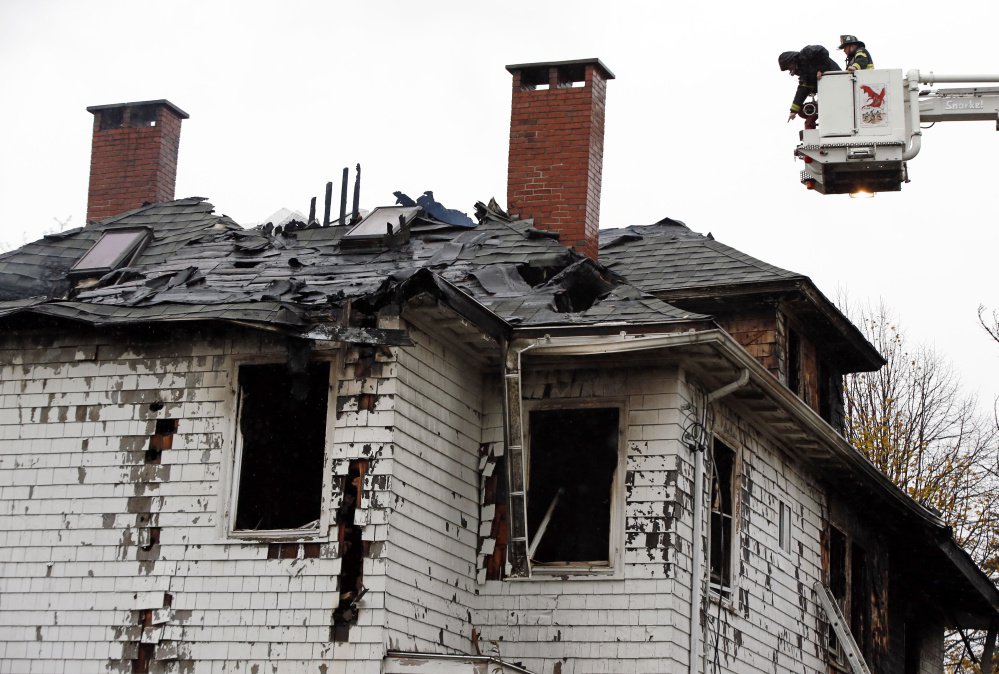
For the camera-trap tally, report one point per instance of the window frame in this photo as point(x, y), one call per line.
point(785, 525)
point(615, 536)
point(717, 591)
point(234, 450)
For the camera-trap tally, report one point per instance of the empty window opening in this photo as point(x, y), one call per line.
point(838, 587)
point(573, 463)
point(793, 361)
point(785, 527)
point(722, 483)
point(850, 584)
point(282, 433)
point(352, 552)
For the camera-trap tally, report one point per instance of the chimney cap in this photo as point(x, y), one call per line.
point(162, 101)
point(558, 64)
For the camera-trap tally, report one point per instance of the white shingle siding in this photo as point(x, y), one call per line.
point(76, 496)
point(632, 620)
point(76, 500)
point(771, 619)
point(433, 533)
point(638, 620)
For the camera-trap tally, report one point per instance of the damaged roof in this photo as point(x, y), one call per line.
point(198, 265)
point(668, 255)
point(675, 264)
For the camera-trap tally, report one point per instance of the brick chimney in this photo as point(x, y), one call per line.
point(133, 159)
point(557, 148)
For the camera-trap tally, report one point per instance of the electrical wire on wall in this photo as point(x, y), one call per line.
point(697, 425)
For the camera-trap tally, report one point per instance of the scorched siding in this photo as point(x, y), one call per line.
point(770, 620)
point(631, 620)
point(84, 579)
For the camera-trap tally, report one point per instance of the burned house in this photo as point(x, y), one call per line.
point(416, 442)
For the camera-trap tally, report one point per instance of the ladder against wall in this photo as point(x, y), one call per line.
point(842, 630)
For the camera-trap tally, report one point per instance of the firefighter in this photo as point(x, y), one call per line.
point(807, 65)
point(857, 56)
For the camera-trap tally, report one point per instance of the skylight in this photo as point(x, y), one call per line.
point(112, 250)
point(382, 221)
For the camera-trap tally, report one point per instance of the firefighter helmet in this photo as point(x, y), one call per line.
point(845, 40)
point(787, 60)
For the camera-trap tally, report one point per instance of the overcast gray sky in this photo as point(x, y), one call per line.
point(283, 95)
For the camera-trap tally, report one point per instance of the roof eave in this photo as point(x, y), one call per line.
point(866, 357)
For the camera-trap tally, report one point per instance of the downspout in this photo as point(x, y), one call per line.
point(697, 570)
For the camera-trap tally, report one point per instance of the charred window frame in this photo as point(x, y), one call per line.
point(836, 551)
point(575, 471)
point(279, 458)
point(723, 465)
point(850, 584)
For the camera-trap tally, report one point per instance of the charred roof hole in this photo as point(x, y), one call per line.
point(573, 462)
point(282, 435)
point(535, 275)
point(579, 286)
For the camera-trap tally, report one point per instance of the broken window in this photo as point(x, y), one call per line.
point(838, 586)
point(280, 448)
point(574, 456)
point(722, 483)
point(850, 584)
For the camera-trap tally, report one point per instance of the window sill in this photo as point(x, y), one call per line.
point(716, 595)
point(543, 573)
point(277, 536)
